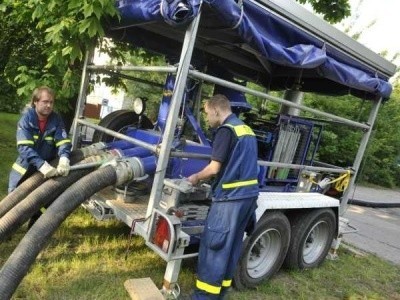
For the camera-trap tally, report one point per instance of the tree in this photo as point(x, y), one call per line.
point(59, 32)
point(18, 47)
point(332, 11)
point(381, 161)
point(62, 32)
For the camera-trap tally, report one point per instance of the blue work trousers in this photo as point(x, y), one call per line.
point(221, 245)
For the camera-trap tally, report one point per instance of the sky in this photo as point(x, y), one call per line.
point(384, 34)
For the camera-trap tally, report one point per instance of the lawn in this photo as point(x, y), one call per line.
point(88, 259)
point(8, 148)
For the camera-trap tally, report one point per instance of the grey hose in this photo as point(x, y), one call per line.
point(30, 184)
point(18, 264)
point(40, 197)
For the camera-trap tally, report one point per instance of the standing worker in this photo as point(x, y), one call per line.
point(41, 137)
point(234, 198)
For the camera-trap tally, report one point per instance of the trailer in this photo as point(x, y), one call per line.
point(277, 45)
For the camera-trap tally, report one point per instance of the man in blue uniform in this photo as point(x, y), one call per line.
point(234, 198)
point(41, 137)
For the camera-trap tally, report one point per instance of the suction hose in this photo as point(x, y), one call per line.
point(46, 193)
point(40, 197)
point(25, 253)
point(32, 243)
point(30, 184)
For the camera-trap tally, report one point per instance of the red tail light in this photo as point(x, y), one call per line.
point(162, 236)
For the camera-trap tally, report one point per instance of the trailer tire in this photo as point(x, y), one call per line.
point(264, 251)
point(118, 121)
point(312, 235)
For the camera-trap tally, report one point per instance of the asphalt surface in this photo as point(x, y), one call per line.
point(376, 220)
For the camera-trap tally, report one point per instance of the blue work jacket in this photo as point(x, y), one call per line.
point(238, 179)
point(34, 147)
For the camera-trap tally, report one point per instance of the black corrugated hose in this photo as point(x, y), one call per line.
point(23, 190)
point(40, 197)
point(18, 264)
point(30, 184)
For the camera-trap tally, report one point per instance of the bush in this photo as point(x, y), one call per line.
point(9, 100)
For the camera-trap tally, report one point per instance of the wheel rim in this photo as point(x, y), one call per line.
point(315, 242)
point(264, 252)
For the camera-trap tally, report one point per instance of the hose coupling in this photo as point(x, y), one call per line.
point(93, 149)
point(127, 169)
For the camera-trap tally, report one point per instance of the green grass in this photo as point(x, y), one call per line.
point(85, 259)
point(8, 148)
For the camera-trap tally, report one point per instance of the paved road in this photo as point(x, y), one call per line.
point(378, 229)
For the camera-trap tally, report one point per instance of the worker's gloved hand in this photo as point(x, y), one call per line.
point(47, 170)
point(63, 166)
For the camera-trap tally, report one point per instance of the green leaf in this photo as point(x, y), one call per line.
point(98, 10)
point(84, 25)
point(52, 4)
point(76, 53)
point(74, 4)
point(95, 28)
point(66, 51)
point(87, 10)
point(3, 7)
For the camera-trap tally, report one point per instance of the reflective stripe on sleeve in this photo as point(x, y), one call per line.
point(19, 169)
point(211, 289)
point(62, 142)
point(49, 138)
point(25, 142)
point(239, 184)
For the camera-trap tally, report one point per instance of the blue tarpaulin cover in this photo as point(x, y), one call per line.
point(282, 44)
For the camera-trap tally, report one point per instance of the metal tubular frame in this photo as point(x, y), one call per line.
point(212, 79)
point(240, 88)
point(164, 69)
point(302, 167)
point(179, 88)
point(119, 135)
point(172, 269)
point(183, 71)
point(81, 98)
point(360, 154)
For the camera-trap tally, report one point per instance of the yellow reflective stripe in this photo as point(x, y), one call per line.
point(241, 130)
point(49, 138)
point(35, 137)
point(211, 289)
point(43, 210)
point(62, 142)
point(25, 142)
point(239, 184)
point(227, 283)
point(19, 169)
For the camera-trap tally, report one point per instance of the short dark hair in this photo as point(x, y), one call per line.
point(38, 91)
point(219, 101)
